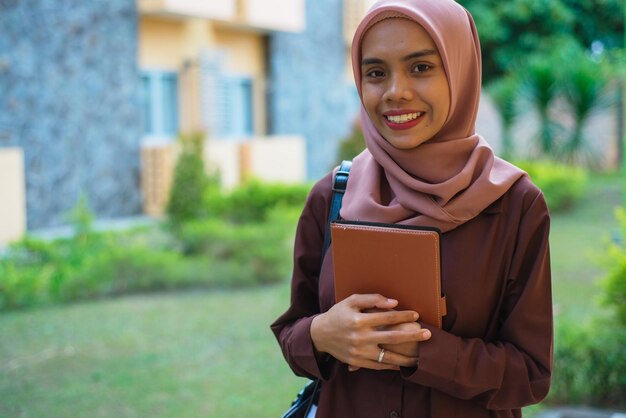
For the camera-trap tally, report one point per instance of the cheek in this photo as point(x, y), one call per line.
point(370, 99)
point(443, 93)
point(440, 101)
point(370, 105)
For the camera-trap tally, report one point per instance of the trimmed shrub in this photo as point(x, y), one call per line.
point(190, 181)
point(203, 254)
point(589, 364)
point(124, 270)
point(247, 253)
point(561, 184)
point(249, 244)
point(255, 200)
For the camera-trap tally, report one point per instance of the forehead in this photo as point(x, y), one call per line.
point(395, 34)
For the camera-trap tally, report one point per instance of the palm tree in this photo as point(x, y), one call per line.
point(540, 87)
point(583, 87)
point(504, 93)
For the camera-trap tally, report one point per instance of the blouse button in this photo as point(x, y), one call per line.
point(394, 414)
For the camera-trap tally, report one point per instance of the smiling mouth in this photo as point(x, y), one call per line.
point(404, 121)
point(404, 118)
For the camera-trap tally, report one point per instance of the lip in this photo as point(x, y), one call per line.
point(405, 125)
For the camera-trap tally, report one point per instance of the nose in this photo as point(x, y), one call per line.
point(399, 88)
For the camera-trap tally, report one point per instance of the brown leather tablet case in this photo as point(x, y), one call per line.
point(398, 261)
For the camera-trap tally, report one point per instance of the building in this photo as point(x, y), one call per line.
point(93, 95)
point(88, 88)
point(205, 68)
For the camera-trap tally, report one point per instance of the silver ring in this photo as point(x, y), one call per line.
point(381, 355)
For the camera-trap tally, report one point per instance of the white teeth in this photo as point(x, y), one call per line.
point(404, 118)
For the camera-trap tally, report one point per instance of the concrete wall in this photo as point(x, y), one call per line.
point(12, 195)
point(69, 96)
point(275, 159)
point(271, 159)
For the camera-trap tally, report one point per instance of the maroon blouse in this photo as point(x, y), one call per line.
point(494, 353)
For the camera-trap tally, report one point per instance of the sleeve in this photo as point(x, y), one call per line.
point(292, 329)
point(515, 369)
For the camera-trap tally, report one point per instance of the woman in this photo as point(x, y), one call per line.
point(417, 69)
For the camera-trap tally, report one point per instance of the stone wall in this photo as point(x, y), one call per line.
point(310, 92)
point(69, 96)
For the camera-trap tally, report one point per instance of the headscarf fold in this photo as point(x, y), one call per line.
point(451, 178)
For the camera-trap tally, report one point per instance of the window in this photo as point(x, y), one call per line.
point(233, 107)
point(160, 103)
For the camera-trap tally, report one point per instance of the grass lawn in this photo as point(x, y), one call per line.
point(577, 239)
point(211, 354)
point(178, 355)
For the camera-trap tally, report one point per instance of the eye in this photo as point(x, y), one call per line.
point(421, 68)
point(374, 73)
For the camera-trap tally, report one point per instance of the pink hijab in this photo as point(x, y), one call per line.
point(452, 177)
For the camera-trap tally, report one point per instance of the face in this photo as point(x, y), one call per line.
point(403, 83)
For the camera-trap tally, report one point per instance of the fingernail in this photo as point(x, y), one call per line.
point(415, 316)
point(392, 301)
point(426, 334)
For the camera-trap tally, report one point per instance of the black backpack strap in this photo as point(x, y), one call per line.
point(339, 188)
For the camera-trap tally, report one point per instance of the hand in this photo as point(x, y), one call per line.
point(355, 337)
point(410, 348)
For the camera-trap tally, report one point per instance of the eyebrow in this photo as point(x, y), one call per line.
point(417, 54)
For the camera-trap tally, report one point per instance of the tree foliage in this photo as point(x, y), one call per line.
point(511, 30)
point(353, 144)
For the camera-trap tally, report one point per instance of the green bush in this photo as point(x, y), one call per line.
point(22, 286)
point(589, 364)
point(353, 144)
point(590, 359)
point(190, 181)
point(248, 244)
point(34, 271)
point(254, 200)
point(203, 254)
point(247, 253)
point(561, 184)
point(124, 270)
point(614, 285)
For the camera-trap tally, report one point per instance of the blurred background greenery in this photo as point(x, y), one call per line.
point(172, 318)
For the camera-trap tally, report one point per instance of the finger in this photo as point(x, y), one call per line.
point(390, 357)
point(402, 336)
point(371, 301)
point(375, 365)
point(388, 318)
point(400, 360)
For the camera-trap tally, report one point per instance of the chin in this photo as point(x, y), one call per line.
point(406, 144)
